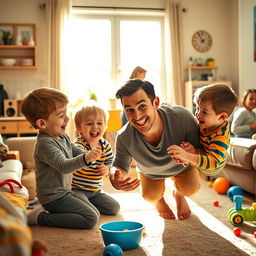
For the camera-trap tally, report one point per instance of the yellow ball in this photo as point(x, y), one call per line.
point(221, 185)
point(209, 184)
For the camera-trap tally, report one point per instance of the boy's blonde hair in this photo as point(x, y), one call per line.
point(40, 103)
point(221, 96)
point(89, 110)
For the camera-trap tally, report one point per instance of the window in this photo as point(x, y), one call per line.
point(104, 49)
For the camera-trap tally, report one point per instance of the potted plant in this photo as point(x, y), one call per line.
point(6, 37)
point(92, 95)
point(210, 62)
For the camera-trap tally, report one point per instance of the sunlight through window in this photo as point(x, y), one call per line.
point(103, 51)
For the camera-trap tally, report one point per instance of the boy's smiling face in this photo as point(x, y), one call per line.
point(92, 128)
point(55, 124)
point(207, 118)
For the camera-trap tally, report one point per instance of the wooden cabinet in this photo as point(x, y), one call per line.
point(8, 127)
point(21, 46)
point(16, 125)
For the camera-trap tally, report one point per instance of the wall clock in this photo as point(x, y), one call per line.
point(201, 41)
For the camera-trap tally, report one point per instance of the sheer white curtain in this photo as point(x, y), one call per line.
point(174, 53)
point(57, 18)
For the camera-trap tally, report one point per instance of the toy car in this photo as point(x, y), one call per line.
point(238, 215)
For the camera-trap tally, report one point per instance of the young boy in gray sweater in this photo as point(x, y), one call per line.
point(56, 157)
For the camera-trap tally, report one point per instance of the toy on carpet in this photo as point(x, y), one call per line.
point(209, 184)
point(238, 215)
point(38, 249)
point(233, 191)
point(221, 185)
point(216, 203)
point(112, 250)
point(254, 234)
point(237, 231)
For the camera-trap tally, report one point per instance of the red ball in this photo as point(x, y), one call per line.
point(254, 234)
point(237, 231)
point(221, 185)
point(216, 203)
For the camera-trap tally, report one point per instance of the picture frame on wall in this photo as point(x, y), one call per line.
point(25, 34)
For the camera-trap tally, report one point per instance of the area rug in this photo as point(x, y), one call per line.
point(206, 233)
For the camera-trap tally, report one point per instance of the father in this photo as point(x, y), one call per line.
point(150, 130)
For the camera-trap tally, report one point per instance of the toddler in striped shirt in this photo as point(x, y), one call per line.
point(91, 123)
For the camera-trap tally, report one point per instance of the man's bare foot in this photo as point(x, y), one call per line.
point(183, 210)
point(164, 210)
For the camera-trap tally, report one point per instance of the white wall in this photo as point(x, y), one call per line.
point(218, 17)
point(247, 65)
point(215, 18)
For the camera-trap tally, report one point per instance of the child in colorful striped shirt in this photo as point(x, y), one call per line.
point(87, 182)
point(214, 104)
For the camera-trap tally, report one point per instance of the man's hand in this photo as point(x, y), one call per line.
point(120, 182)
point(93, 155)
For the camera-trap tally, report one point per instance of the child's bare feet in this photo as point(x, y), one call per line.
point(183, 210)
point(164, 210)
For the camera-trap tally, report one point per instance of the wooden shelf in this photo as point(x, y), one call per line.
point(201, 68)
point(18, 51)
point(18, 67)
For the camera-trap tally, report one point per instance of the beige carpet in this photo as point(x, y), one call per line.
point(207, 233)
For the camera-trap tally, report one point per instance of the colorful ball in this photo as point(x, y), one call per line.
point(221, 185)
point(237, 231)
point(234, 191)
point(216, 203)
point(209, 184)
point(112, 250)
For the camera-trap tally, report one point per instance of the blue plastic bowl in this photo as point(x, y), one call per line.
point(126, 234)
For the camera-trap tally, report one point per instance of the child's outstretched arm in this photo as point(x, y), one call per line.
point(93, 155)
point(182, 156)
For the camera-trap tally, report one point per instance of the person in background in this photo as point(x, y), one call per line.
point(56, 157)
point(138, 72)
point(87, 182)
point(150, 130)
point(214, 104)
point(244, 119)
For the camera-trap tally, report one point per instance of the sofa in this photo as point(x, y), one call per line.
point(240, 168)
point(25, 147)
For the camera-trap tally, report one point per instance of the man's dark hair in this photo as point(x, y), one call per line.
point(133, 85)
